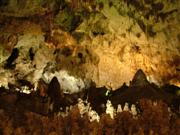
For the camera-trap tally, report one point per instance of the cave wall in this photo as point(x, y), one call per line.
point(100, 40)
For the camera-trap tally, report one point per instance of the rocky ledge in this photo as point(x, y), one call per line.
point(141, 108)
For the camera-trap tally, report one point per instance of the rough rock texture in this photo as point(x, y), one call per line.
point(103, 41)
point(153, 120)
point(53, 49)
point(129, 46)
point(141, 108)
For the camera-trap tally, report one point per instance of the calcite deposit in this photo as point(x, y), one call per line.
point(142, 108)
point(101, 41)
point(90, 67)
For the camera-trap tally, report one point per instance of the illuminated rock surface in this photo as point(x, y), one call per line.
point(111, 42)
point(54, 55)
point(61, 113)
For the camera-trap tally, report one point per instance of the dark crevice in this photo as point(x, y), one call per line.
point(14, 55)
point(31, 54)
